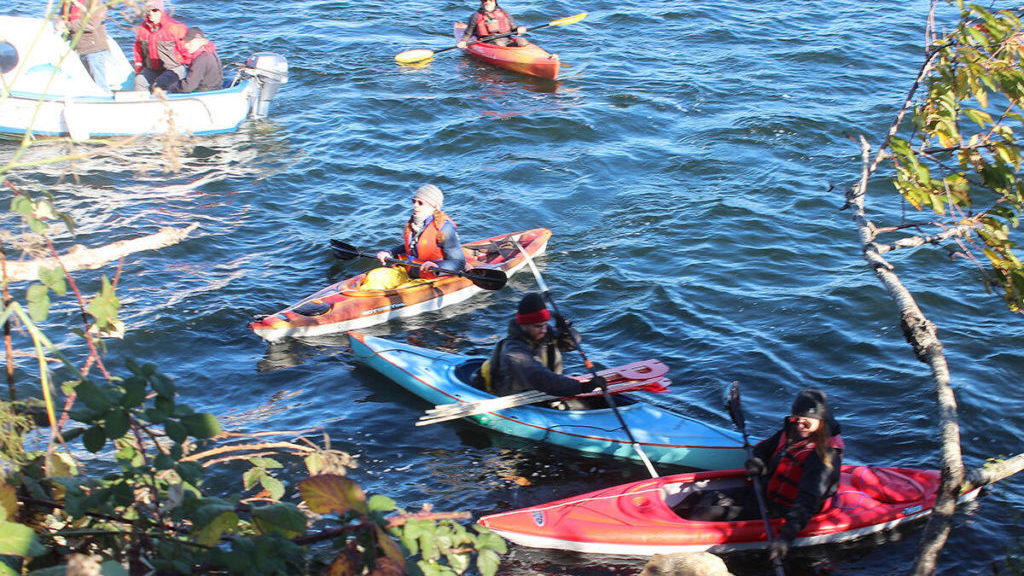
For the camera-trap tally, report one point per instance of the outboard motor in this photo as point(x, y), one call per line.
point(269, 71)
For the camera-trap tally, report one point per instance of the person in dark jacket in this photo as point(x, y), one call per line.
point(530, 358)
point(84, 20)
point(204, 67)
point(801, 463)
point(489, 20)
point(799, 471)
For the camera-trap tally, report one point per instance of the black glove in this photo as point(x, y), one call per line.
point(755, 466)
point(562, 325)
point(593, 384)
point(777, 549)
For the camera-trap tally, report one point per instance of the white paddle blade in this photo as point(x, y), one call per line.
point(414, 56)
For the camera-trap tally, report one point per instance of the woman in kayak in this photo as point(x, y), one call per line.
point(430, 240)
point(489, 20)
point(801, 463)
point(530, 357)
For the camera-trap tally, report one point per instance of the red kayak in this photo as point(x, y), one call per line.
point(638, 518)
point(531, 59)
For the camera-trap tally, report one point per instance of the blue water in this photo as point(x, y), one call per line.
point(691, 162)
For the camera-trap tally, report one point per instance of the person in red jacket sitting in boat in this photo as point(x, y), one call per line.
point(801, 464)
point(488, 21)
point(159, 51)
point(430, 240)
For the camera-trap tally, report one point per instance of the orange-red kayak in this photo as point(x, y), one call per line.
point(343, 306)
point(531, 59)
point(641, 518)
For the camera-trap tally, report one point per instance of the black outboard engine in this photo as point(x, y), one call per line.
point(269, 71)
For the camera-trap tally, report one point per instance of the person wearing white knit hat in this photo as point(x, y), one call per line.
point(430, 239)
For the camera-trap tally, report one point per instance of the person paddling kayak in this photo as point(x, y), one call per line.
point(530, 357)
point(489, 20)
point(430, 240)
point(801, 462)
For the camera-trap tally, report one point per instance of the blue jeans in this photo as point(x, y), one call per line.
point(96, 64)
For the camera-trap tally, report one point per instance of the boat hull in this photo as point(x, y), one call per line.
point(637, 518)
point(664, 436)
point(531, 59)
point(126, 113)
point(343, 306)
point(47, 92)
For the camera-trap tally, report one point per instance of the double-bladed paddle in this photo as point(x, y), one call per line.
point(421, 54)
point(736, 412)
point(486, 278)
point(586, 362)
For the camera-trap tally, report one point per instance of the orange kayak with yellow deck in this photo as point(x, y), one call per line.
point(343, 306)
point(531, 59)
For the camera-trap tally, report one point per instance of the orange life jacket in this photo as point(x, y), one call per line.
point(428, 244)
point(491, 23)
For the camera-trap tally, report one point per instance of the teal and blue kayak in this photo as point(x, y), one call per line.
point(666, 437)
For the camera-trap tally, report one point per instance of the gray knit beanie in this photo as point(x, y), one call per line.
point(431, 195)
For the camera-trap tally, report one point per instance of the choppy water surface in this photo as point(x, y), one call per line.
point(685, 163)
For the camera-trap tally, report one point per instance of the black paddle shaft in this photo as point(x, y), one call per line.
point(736, 412)
point(486, 278)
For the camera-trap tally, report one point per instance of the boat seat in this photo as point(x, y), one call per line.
point(467, 369)
point(313, 308)
point(885, 485)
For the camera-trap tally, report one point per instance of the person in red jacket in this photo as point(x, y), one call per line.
point(489, 20)
point(159, 50)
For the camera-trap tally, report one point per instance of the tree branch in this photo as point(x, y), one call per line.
point(922, 336)
point(79, 257)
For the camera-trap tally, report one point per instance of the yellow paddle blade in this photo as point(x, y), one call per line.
point(412, 56)
point(568, 20)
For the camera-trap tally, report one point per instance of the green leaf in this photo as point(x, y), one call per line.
point(284, 519)
point(488, 562)
point(90, 394)
point(252, 476)
point(19, 540)
point(53, 278)
point(163, 462)
point(38, 297)
point(156, 415)
point(21, 204)
point(116, 424)
point(332, 494)
point(104, 305)
point(201, 425)
point(162, 385)
point(459, 562)
point(265, 463)
point(272, 485)
point(379, 503)
point(210, 533)
point(175, 431)
point(134, 393)
point(94, 439)
point(190, 472)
